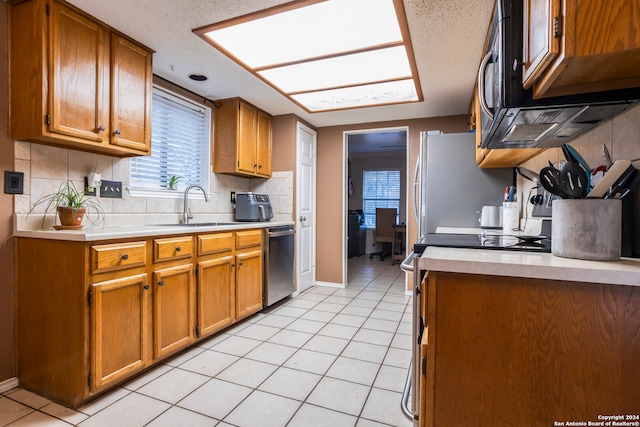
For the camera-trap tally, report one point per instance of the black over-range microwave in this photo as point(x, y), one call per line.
point(510, 117)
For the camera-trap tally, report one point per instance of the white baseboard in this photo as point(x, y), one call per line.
point(331, 284)
point(9, 384)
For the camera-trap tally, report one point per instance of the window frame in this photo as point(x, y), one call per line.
point(206, 154)
point(399, 199)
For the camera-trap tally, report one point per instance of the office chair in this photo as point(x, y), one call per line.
point(384, 233)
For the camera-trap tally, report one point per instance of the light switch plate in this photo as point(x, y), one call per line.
point(111, 189)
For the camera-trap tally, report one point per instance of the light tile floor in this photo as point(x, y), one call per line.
point(329, 357)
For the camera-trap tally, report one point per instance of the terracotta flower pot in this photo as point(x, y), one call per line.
point(71, 217)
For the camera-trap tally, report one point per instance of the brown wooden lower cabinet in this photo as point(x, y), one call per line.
point(527, 352)
point(248, 282)
point(173, 309)
point(215, 294)
point(120, 328)
point(92, 314)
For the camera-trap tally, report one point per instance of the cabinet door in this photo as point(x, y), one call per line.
point(216, 303)
point(78, 76)
point(263, 145)
point(131, 85)
point(173, 309)
point(248, 283)
point(246, 149)
point(541, 46)
point(119, 328)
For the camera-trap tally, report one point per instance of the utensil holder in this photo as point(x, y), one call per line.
point(510, 217)
point(588, 229)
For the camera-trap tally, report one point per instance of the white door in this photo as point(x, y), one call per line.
point(305, 207)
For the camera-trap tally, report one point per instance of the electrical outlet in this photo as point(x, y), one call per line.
point(111, 189)
point(13, 182)
point(87, 190)
point(233, 197)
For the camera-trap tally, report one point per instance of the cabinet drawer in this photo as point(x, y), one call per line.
point(215, 243)
point(249, 238)
point(172, 248)
point(117, 256)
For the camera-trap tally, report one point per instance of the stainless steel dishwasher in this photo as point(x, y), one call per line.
point(278, 264)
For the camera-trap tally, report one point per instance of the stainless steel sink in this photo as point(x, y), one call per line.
point(195, 224)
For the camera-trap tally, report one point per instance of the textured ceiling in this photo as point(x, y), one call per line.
point(447, 37)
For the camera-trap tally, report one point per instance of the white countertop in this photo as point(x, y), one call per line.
point(107, 233)
point(535, 265)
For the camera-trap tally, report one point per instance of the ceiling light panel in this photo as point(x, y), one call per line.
point(359, 96)
point(310, 32)
point(366, 67)
point(344, 50)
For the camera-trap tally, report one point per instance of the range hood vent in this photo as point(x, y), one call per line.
point(549, 127)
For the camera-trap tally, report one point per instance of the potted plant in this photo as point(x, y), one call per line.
point(71, 206)
point(173, 182)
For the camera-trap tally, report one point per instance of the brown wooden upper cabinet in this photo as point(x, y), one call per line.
point(580, 46)
point(77, 83)
point(242, 139)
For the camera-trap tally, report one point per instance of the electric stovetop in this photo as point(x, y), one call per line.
point(484, 241)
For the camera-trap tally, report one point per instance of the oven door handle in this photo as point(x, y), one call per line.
point(481, 93)
point(405, 396)
point(407, 265)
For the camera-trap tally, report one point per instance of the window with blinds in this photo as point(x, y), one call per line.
point(380, 189)
point(180, 141)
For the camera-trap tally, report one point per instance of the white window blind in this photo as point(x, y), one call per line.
point(180, 140)
point(381, 189)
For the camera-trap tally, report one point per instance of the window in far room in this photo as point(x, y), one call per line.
point(180, 141)
point(381, 189)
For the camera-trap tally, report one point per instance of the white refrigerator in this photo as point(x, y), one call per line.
point(450, 187)
point(449, 191)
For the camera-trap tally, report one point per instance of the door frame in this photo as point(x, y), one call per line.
point(345, 187)
point(298, 247)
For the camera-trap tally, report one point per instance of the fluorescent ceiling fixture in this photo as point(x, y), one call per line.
point(359, 96)
point(371, 66)
point(324, 47)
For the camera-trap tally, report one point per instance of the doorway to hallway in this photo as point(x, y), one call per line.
point(376, 164)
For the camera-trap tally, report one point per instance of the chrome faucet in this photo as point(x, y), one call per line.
point(186, 214)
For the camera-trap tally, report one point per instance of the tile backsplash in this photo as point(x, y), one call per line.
point(622, 138)
point(46, 167)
